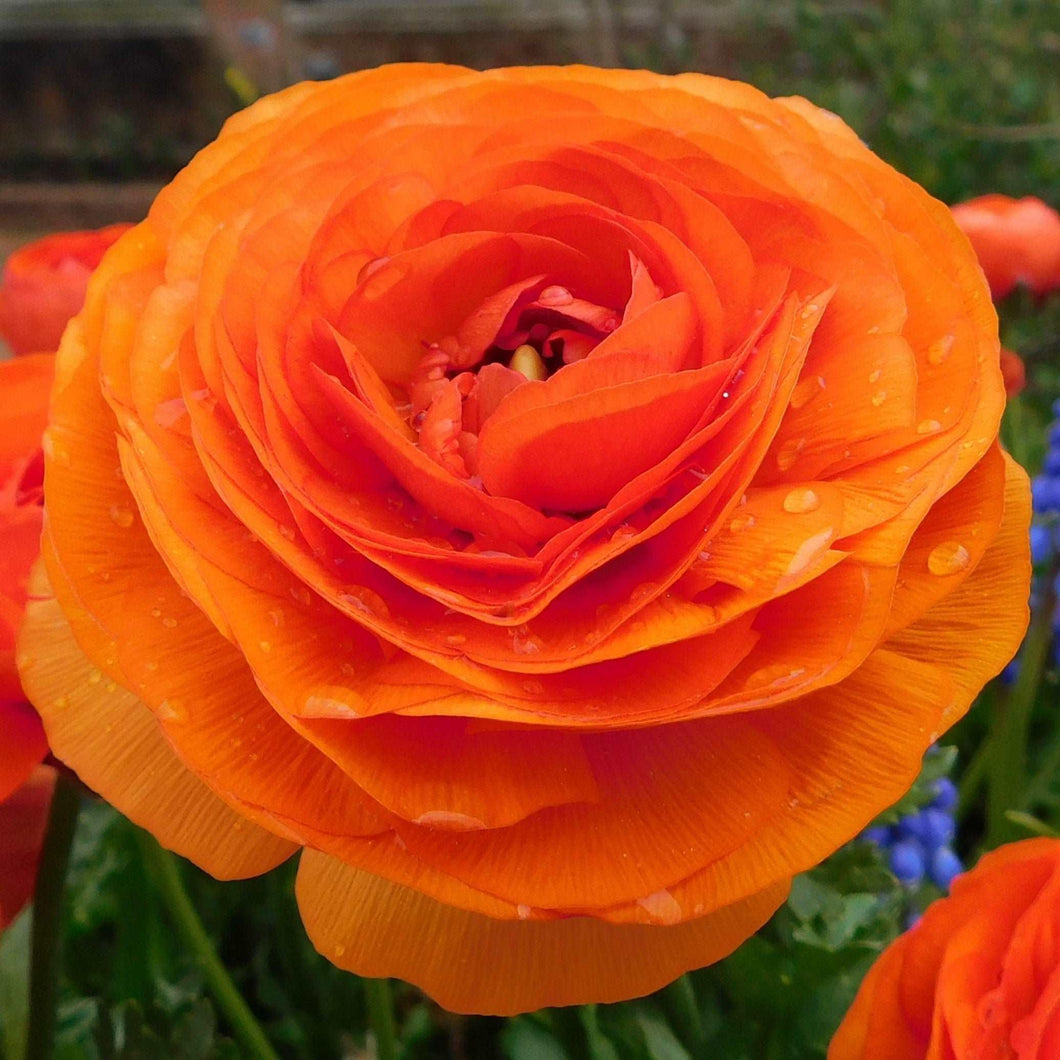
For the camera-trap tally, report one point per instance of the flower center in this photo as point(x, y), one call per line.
point(525, 332)
point(461, 379)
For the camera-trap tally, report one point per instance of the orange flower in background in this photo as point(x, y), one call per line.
point(25, 789)
point(564, 503)
point(1013, 372)
point(1016, 241)
point(43, 285)
point(978, 976)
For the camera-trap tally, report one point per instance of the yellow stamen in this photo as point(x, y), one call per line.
point(527, 362)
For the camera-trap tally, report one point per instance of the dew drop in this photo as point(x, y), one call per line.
point(156, 612)
point(788, 453)
point(808, 311)
point(95, 677)
point(879, 398)
point(948, 558)
point(456, 639)
point(940, 349)
point(169, 623)
point(802, 500)
point(808, 552)
point(662, 907)
point(554, 296)
point(524, 643)
point(741, 522)
point(277, 617)
point(265, 646)
point(522, 911)
point(806, 391)
point(340, 950)
point(874, 376)
point(928, 427)
point(172, 710)
point(168, 413)
point(121, 516)
point(365, 600)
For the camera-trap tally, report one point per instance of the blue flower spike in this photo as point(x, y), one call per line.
point(945, 865)
point(907, 862)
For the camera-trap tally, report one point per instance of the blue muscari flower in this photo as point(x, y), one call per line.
point(879, 834)
point(944, 866)
point(945, 794)
point(1011, 672)
point(932, 828)
point(1045, 494)
point(1052, 462)
point(1041, 545)
point(907, 861)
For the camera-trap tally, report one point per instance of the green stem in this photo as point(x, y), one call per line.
point(679, 1004)
point(165, 870)
point(1008, 766)
point(381, 1017)
point(46, 940)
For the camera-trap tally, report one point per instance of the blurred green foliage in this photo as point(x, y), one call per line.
point(961, 95)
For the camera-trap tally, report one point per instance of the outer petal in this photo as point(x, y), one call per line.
point(472, 963)
point(118, 750)
point(23, 817)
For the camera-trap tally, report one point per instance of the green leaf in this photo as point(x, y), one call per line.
point(14, 985)
point(525, 1039)
point(661, 1042)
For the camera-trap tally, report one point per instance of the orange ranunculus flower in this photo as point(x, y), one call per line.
point(43, 285)
point(565, 503)
point(1013, 372)
point(979, 974)
point(1016, 241)
point(25, 789)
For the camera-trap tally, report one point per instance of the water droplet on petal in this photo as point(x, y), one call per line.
point(741, 522)
point(928, 427)
point(802, 500)
point(554, 296)
point(940, 349)
point(456, 639)
point(121, 516)
point(806, 391)
point(265, 646)
point(662, 907)
point(300, 594)
point(366, 601)
point(169, 623)
point(948, 558)
point(874, 376)
point(524, 643)
point(788, 453)
point(879, 398)
point(809, 551)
